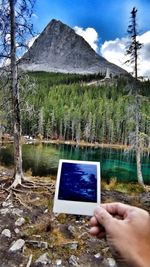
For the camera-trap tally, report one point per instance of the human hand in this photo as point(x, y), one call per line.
point(127, 230)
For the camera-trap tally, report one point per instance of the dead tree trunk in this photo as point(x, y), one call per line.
point(18, 173)
point(137, 142)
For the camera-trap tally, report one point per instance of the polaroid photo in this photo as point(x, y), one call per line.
point(77, 187)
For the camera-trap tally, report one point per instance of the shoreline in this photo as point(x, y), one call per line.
point(86, 144)
point(73, 143)
point(67, 142)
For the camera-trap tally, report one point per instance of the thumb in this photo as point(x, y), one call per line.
point(103, 217)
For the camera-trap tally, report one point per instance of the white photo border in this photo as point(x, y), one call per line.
point(76, 207)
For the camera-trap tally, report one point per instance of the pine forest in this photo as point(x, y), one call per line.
point(67, 107)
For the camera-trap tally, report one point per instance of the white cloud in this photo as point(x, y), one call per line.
point(114, 51)
point(90, 35)
point(31, 41)
point(7, 62)
point(8, 38)
point(35, 16)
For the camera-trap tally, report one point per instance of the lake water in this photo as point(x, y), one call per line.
point(43, 159)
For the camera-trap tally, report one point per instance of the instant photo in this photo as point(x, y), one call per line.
point(77, 187)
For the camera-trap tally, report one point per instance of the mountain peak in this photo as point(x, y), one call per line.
point(53, 22)
point(59, 49)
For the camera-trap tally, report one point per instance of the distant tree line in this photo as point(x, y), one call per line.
point(62, 106)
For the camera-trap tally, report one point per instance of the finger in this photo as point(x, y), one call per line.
point(103, 217)
point(94, 230)
point(93, 221)
point(117, 208)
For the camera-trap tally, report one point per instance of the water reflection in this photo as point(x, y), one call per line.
point(43, 160)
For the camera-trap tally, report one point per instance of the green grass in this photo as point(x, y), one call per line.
point(129, 188)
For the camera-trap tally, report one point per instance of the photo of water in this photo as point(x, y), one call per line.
point(78, 182)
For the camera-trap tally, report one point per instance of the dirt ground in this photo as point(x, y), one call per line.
point(62, 240)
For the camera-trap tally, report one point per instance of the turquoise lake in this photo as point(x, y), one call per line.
point(42, 160)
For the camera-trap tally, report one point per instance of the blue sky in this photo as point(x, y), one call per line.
point(108, 20)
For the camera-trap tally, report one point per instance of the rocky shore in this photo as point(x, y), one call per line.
point(31, 235)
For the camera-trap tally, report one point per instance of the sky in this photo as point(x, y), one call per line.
point(103, 24)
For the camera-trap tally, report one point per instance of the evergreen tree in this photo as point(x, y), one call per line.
point(132, 51)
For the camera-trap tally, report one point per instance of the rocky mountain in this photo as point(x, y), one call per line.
point(59, 49)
